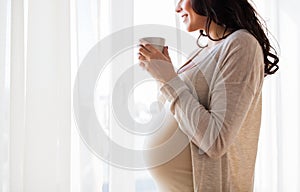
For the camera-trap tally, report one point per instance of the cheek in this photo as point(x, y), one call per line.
point(197, 23)
point(186, 5)
point(200, 20)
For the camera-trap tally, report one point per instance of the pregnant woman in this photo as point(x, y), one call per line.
point(214, 99)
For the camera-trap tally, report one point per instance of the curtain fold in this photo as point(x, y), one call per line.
point(4, 94)
point(48, 93)
point(40, 90)
point(17, 96)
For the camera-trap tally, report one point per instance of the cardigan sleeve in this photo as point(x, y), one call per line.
point(239, 76)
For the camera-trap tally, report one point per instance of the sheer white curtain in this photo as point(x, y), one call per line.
point(4, 94)
point(35, 74)
point(91, 22)
point(42, 43)
point(278, 162)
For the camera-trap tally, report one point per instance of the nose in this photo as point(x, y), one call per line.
point(178, 8)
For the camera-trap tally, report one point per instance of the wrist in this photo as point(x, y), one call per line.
point(170, 78)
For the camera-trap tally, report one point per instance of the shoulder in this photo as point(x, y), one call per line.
point(241, 38)
point(242, 59)
point(241, 44)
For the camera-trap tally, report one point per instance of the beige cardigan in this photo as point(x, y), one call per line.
point(217, 104)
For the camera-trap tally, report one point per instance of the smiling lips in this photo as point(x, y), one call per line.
point(184, 16)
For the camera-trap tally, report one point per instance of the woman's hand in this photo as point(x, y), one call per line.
point(157, 63)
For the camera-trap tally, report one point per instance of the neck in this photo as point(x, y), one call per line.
point(217, 32)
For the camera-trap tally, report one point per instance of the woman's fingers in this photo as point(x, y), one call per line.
point(143, 51)
point(150, 48)
point(143, 61)
point(147, 49)
point(142, 65)
point(166, 52)
point(142, 57)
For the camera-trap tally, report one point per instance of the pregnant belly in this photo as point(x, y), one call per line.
point(176, 173)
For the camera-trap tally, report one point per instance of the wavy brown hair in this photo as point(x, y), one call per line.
point(234, 15)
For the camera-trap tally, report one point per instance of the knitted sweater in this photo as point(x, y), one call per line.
point(217, 105)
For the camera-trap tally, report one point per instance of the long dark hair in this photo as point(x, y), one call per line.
point(234, 15)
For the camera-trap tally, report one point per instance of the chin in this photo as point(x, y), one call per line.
point(191, 28)
point(188, 29)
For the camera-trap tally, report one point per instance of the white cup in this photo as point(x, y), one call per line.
point(157, 42)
